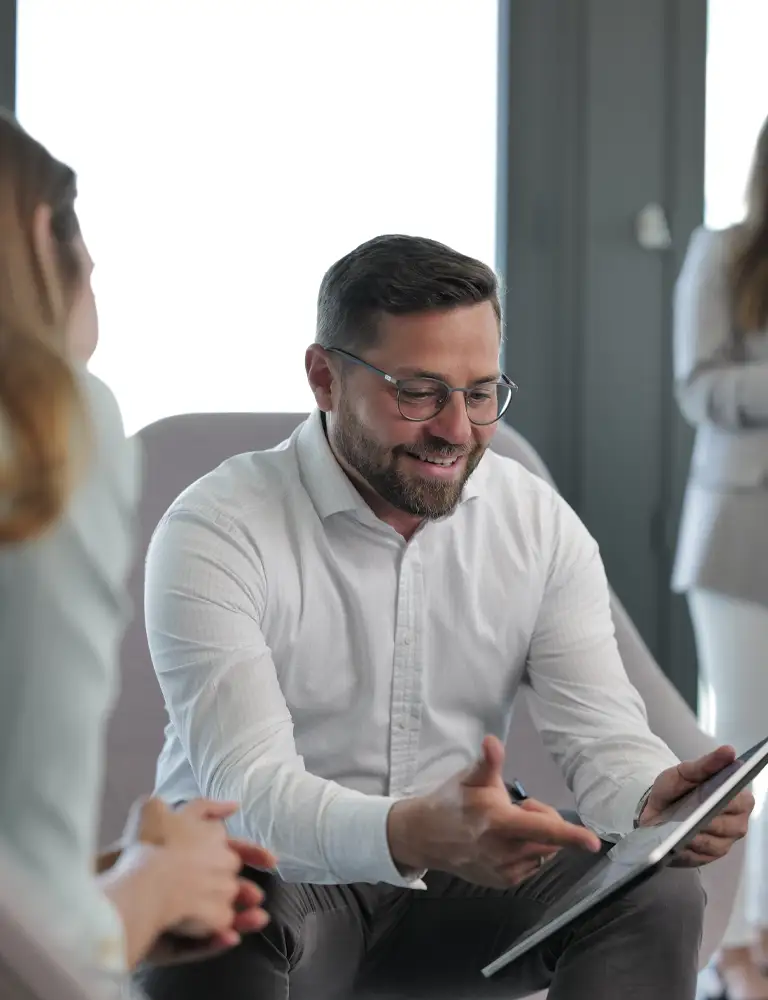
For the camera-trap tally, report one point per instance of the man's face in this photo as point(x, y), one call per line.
point(398, 458)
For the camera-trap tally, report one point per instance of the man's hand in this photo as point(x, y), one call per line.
point(470, 828)
point(731, 825)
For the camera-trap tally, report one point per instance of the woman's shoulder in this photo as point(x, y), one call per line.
point(708, 255)
point(113, 459)
point(712, 242)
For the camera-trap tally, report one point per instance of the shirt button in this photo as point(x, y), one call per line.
point(407, 640)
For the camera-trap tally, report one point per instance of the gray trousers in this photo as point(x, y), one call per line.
point(333, 942)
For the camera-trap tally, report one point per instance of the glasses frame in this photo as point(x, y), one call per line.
point(397, 383)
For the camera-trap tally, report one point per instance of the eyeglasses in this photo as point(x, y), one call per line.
point(423, 398)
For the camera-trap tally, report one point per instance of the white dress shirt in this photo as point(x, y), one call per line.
point(317, 667)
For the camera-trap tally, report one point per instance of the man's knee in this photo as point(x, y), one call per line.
point(669, 906)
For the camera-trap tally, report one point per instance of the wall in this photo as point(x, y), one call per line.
point(603, 113)
point(7, 54)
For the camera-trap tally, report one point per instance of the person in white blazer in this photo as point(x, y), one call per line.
point(721, 383)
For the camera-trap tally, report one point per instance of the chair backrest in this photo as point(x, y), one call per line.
point(179, 450)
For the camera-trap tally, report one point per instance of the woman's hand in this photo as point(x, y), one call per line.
point(178, 875)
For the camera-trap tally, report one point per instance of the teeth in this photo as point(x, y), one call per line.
point(436, 461)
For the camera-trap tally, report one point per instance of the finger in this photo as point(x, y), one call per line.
point(222, 940)
point(146, 821)
point(744, 802)
point(690, 859)
point(520, 871)
point(732, 827)
point(710, 847)
point(249, 894)
point(529, 850)
point(488, 769)
point(547, 829)
point(253, 855)
point(693, 772)
point(251, 921)
point(533, 805)
point(209, 809)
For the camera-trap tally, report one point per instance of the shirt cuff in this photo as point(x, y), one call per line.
point(356, 846)
point(617, 818)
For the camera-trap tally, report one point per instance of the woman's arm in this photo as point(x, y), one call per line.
point(710, 384)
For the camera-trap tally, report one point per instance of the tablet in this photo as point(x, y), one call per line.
point(641, 852)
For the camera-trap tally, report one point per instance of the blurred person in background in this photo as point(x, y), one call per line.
point(67, 488)
point(721, 377)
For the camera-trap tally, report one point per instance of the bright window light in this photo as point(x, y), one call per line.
point(228, 152)
point(737, 103)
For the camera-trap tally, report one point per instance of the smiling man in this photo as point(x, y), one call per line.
point(340, 626)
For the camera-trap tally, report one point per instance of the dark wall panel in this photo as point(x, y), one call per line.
point(603, 113)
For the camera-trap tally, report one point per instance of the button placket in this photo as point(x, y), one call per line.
point(406, 686)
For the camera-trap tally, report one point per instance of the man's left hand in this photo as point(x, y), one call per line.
point(725, 829)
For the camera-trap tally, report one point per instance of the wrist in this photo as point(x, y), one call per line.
point(403, 826)
point(143, 873)
point(641, 807)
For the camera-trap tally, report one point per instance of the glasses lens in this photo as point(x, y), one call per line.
point(421, 398)
point(486, 403)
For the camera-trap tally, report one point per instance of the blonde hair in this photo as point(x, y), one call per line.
point(39, 394)
point(749, 261)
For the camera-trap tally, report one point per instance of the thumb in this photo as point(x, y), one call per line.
point(146, 821)
point(487, 770)
point(211, 809)
point(696, 771)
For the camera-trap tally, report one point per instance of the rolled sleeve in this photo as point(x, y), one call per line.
point(591, 718)
point(204, 600)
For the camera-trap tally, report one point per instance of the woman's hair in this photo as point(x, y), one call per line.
point(39, 394)
point(749, 261)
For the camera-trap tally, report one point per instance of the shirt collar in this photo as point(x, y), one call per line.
point(329, 487)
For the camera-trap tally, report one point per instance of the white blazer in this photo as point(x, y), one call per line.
point(721, 384)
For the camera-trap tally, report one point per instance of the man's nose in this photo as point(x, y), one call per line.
point(452, 423)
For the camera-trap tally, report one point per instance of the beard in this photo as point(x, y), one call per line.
point(379, 466)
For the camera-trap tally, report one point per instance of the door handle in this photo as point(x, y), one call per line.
point(652, 227)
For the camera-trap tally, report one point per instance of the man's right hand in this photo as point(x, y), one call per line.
point(470, 827)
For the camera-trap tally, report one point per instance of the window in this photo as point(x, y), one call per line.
point(229, 152)
point(737, 85)
point(737, 105)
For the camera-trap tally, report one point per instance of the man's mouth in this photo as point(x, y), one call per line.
point(435, 459)
point(438, 466)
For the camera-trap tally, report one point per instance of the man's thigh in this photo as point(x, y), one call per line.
point(316, 941)
point(448, 933)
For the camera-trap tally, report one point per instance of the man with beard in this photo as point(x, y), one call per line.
point(339, 627)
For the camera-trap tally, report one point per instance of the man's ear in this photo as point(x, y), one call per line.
point(320, 376)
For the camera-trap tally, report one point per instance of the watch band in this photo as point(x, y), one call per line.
point(640, 806)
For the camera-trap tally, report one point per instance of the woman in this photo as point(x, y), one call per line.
point(721, 374)
point(67, 488)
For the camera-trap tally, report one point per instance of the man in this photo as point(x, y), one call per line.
point(340, 626)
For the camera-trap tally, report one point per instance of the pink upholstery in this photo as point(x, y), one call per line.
point(180, 450)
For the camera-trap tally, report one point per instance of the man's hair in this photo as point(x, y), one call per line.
point(397, 275)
